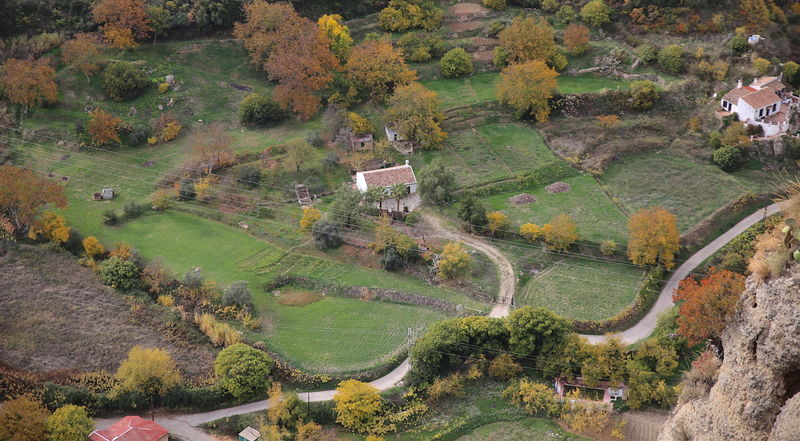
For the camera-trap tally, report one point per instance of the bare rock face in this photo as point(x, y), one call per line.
point(757, 394)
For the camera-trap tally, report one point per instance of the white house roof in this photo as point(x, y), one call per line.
point(250, 434)
point(386, 177)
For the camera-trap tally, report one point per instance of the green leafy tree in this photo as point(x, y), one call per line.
point(643, 94)
point(473, 214)
point(23, 419)
point(456, 63)
point(535, 330)
point(346, 209)
point(259, 109)
point(647, 53)
point(119, 273)
point(790, 70)
point(671, 58)
point(69, 423)
point(358, 405)
point(122, 81)
point(326, 235)
point(437, 183)
point(727, 158)
point(565, 359)
point(565, 14)
point(243, 370)
point(739, 44)
point(596, 13)
point(159, 20)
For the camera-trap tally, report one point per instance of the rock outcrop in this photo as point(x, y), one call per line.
point(757, 394)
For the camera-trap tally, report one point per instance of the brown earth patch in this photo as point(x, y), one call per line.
point(483, 41)
point(486, 56)
point(467, 9)
point(464, 26)
point(55, 314)
point(290, 297)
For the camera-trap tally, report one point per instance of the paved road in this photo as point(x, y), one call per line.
point(184, 426)
point(645, 327)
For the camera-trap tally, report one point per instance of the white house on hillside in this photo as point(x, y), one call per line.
point(386, 178)
point(392, 135)
point(761, 103)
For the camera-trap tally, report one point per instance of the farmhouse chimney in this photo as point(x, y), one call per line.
point(406, 161)
point(739, 84)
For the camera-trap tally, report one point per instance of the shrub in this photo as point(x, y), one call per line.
point(243, 371)
point(259, 109)
point(119, 273)
point(326, 235)
point(138, 135)
point(607, 121)
point(249, 175)
point(647, 53)
point(123, 81)
point(739, 44)
point(497, 5)
point(449, 386)
point(643, 94)
point(419, 47)
point(456, 63)
point(133, 209)
point(671, 58)
point(496, 27)
point(536, 398)
point(110, 217)
point(162, 199)
point(596, 13)
point(169, 132)
point(549, 5)
point(69, 423)
point(565, 14)
point(761, 65)
point(576, 39)
point(608, 247)
point(236, 294)
point(220, 333)
point(93, 248)
point(727, 158)
point(503, 367)
point(501, 55)
point(453, 262)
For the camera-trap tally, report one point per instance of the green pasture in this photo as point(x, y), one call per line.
point(595, 214)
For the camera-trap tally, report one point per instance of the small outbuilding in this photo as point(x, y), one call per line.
point(360, 142)
point(603, 390)
point(131, 428)
point(249, 434)
point(392, 135)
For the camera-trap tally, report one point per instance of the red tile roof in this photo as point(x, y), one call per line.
point(762, 98)
point(386, 177)
point(130, 428)
point(750, 89)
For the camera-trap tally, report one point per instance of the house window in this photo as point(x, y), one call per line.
point(760, 113)
point(775, 107)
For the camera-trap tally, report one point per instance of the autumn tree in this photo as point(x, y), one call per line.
point(243, 370)
point(605, 361)
point(338, 34)
point(310, 216)
point(497, 222)
point(414, 113)
point(504, 368)
point(453, 262)
point(103, 127)
point(358, 124)
point(310, 431)
point(286, 410)
point(149, 371)
point(92, 247)
point(596, 13)
point(23, 419)
point(560, 232)
point(375, 68)
point(29, 82)
point(530, 231)
point(527, 87)
point(576, 39)
point(50, 226)
point(357, 405)
point(23, 195)
point(401, 15)
point(706, 305)
point(122, 21)
point(528, 39)
point(69, 423)
point(211, 146)
point(292, 50)
point(654, 237)
point(535, 398)
point(82, 53)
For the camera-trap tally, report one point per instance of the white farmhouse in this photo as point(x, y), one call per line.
point(761, 103)
point(392, 135)
point(386, 178)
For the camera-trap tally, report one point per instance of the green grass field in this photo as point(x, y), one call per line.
point(594, 213)
point(491, 153)
point(528, 429)
point(581, 289)
point(689, 189)
point(482, 88)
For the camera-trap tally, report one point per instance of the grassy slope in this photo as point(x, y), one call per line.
point(596, 216)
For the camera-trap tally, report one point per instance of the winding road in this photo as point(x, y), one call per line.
point(185, 425)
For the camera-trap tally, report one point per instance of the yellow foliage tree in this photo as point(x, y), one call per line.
point(528, 39)
point(386, 236)
point(561, 232)
point(503, 367)
point(414, 112)
point(149, 371)
point(374, 68)
point(527, 87)
point(103, 127)
point(359, 124)
point(333, 27)
point(92, 247)
point(453, 262)
point(23, 419)
point(654, 237)
point(530, 231)
point(310, 216)
point(52, 227)
point(497, 222)
point(357, 405)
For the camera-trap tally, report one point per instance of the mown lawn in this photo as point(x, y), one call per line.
point(689, 189)
point(595, 214)
point(492, 152)
point(482, 88)
point(580, 288)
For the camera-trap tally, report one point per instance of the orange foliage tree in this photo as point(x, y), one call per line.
point(292, 50)
point(527, 39)
point(122, 21)
point(50, 226)
point(576, 38)
point(654, 237)
point(29, 82)
point(103, 127)
point(376, 68)
point(82, 53)
point(527, 87)
point(707, 305)
point(211, 146)
point(23, 195)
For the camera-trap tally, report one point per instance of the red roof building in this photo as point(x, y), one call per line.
point(131, 428)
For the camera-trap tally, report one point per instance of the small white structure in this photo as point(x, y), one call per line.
point(392, 135)
point(761, 103)
point(107, 194)
point(249, 434)
point(754, 39)
point(386, 178)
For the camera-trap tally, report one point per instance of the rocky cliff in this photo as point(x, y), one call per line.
point(756, 395)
